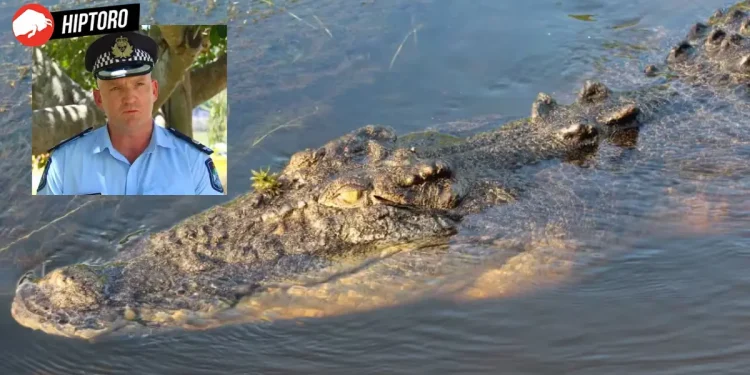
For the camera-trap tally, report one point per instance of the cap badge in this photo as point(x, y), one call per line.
point(122, 48)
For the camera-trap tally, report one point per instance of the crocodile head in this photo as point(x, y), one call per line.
point(63, 296)
point(356, 196)
point(359, 191)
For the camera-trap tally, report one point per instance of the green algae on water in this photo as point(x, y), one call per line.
point(583, 17)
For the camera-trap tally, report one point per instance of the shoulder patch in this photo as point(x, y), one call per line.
point(43, 180)
point(191, 141)
point(214, 176)
point(79, 135)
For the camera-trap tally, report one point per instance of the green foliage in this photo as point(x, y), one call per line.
point(217, 120)
point(39, 161)
point(70, 54)
point(265, 181)
point(217, 37)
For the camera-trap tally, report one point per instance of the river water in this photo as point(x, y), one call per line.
point(657, 282)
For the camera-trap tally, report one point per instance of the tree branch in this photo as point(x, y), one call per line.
point(51, 86)
point(208, 80)
point(60, 106)
point(175, 61)
point(53, 124)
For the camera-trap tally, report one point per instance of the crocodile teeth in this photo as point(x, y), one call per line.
point(444, 224)
point(26, 278)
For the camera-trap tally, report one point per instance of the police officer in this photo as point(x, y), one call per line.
point(130, 155)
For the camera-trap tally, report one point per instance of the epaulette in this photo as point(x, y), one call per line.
point(79, 135)
point(43, 180)
point(191, 141)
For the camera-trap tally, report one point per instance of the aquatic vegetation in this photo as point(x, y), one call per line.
point(582, 17)
point(265, 181)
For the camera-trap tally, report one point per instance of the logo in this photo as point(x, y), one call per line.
point(214, 176)
point(122, 48)
point(33, 25)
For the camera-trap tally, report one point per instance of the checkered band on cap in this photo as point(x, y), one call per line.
point(107, 58)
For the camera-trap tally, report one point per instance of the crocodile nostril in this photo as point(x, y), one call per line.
point(27, 277)
point(679, 52)
point(442, 169)
point(593, 92)
point(732, 40)
point(697, 30)
point(716, 36)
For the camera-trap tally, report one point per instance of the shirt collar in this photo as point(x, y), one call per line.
point(158, 138)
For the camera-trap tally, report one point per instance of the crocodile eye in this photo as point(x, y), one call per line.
point(345, 194)
point(349, 195)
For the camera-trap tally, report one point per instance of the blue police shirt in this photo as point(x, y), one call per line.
point(169, 165)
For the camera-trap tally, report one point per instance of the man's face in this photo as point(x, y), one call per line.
point(127, 101)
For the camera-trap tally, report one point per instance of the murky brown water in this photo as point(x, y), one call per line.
point(638, 265)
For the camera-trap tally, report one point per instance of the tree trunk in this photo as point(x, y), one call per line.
point(181, 47)
point(209, 80)
point(179, 109)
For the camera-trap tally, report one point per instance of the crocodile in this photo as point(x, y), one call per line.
point(368, 193)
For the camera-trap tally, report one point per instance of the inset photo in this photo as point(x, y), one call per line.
point(131, 113)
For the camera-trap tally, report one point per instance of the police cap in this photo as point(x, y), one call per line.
point(121, 55)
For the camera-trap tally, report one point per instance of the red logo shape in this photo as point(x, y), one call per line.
point(33, 25)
